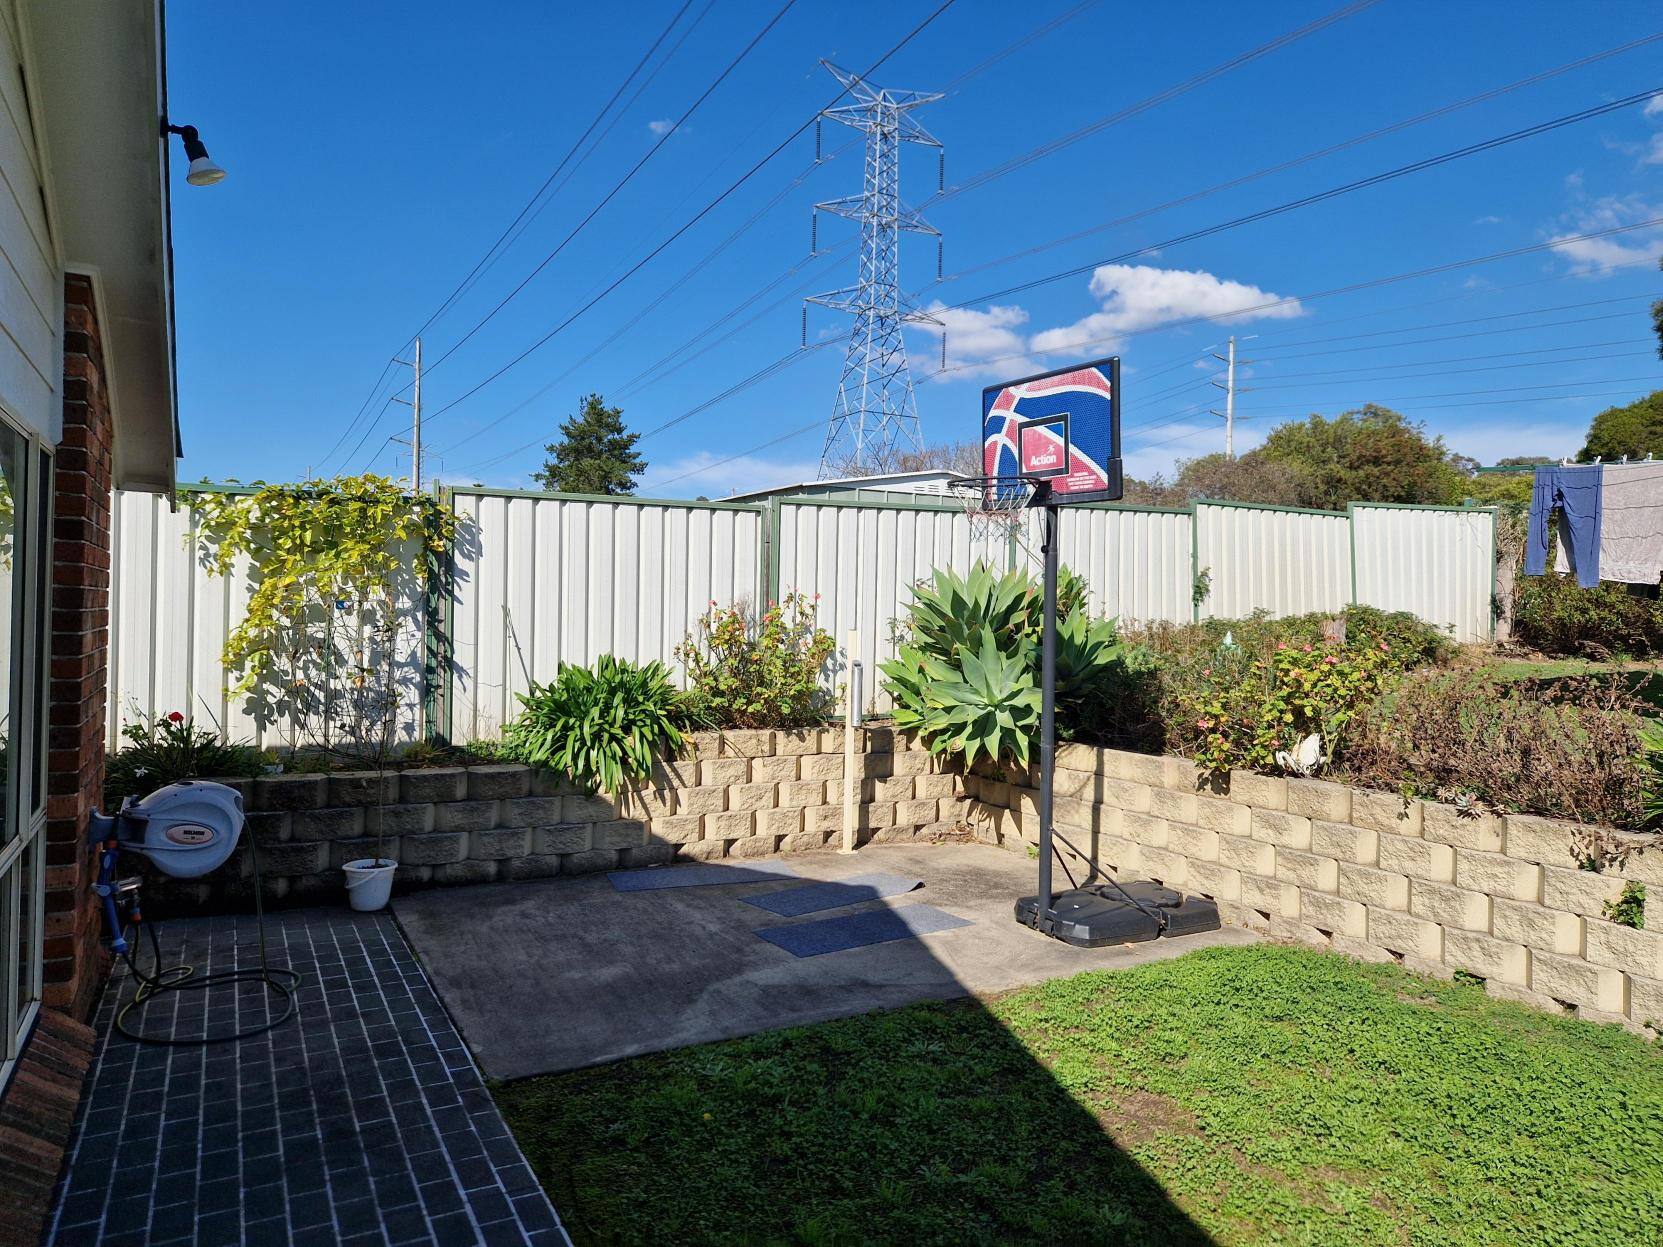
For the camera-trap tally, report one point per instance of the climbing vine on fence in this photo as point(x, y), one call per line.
point(337, 569)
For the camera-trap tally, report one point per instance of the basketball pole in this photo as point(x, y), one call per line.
point(1047, 707)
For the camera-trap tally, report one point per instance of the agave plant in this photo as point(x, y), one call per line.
point(985, 706)
point(601, 727)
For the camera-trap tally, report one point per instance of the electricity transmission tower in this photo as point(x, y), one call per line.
point(875, 415)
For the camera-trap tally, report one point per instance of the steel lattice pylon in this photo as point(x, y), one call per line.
point(875, 415)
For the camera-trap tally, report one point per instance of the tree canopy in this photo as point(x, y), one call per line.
point(1635, 430)
point(595, 454)
point(1374, 454)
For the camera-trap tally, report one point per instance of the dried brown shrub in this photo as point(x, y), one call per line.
point(1568, 748)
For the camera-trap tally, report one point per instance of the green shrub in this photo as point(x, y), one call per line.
point(1628, 909)
point(762, 672)
point(602, 727)
point(1567, 748)
point(1557, 616)
point(966, 675)
point(164, 749)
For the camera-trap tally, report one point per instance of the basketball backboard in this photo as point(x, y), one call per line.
point(1062, 427)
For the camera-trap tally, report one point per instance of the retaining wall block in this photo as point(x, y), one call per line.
point(466, 872)
point(1180, 774)
point(933, 787)
point(875, 814)
point(803, 842)
point(1580, 891)
point(589, 863)
point(498, 782)
point(1374, 887)
point(754, 797)
point(1307, 870)
point(1385, 812)
point(1419, 859)
point(1292, 831)
point(1286, 927)
point(444, 783)
point(677, 828)
point(1449, 906)
point(1501, 990)
point(1126, 795)
point(1143, 768)
point(1173, 805)
point(648, 803)
point(696, 746)
point(780, 822)
point(1333, 914)
point(1359, 845)
point(1361, 949)
point(364, 788)
point(698, 801)
point(1085, 816)
point(1218, 882)
point(398, 820)
point(896, 788)
point(1645, 1001)
point(469, 815)
point(1485, 955)
point(797, 743)
point(801, 793)
point(754, 846)
point(1251, 857)
point(267, 827)
point(823, 766)
point(1445, 824)
point(499, 842)
point(1241, 915)
point(747, 743)
point(291, 792)
point(915, 813)
point(563, 838)
point(1118, 854)
point(294, 858)
point(646, 855)
point(1400, 933)
point(1547, 841)
point(1196, 843)
point(1081, 785)
point(1170, 868)
point(1080, 758)
point(520, 868)
point(1644, 865)
point(1144, 828)
point(823, 818)
point(586, 810)
point(729, 825)
point(724, 772)
point(433, 848)
point(622, 833)
point(1262, 792)
point(1522, 922)
point(546, 783)
point(1273, 896)
point(1316, 798)
point(912, 763)
point(1628, 949)
point(529, 812)
point(774, 770)
point(1498, 874)
point(701, 851)
point(1578, 982)
point(334, 823)
point(343, 851)
point(1224, 816)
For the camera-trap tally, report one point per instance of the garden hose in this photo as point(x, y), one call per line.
point(162, 979)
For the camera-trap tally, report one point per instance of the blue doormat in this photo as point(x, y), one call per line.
point(657, 878)
point(835, 894)
point(878, 926)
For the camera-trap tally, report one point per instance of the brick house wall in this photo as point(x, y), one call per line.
point(74, 964)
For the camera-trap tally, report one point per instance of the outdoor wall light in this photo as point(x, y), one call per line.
point(203, 171)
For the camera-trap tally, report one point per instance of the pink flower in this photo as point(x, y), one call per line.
point(1331, 660)
point(1307, 649)
point(175, 717)
point(1281, 645)
point(1206, 671)
point(1203, 724)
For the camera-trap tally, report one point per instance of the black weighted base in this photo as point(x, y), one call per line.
point(1101, 914)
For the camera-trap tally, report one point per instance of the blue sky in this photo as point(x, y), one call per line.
point(376, 151)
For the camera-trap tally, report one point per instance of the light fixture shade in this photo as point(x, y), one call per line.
point(204, 172)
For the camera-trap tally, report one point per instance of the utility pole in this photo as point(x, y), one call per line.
point(875, 413)
point(1228, 385)
point(414, 403)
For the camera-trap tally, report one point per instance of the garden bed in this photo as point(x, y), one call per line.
point(1234, 1097)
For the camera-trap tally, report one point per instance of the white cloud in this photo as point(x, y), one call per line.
point(706, 473)
point(979, 343)
point(1136, 297)
point(1654, 107)
point(1597, 257)
point(662, 126)
point(1488, 220)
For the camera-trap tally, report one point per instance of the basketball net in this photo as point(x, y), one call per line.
point(996, 507)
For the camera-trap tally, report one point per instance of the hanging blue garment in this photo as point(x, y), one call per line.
point(1576, 494)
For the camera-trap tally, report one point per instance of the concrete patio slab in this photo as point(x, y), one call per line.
point(560, 974)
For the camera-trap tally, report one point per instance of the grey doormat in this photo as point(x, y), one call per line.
point(875, 926)
point(707, 874)
point(814, 897)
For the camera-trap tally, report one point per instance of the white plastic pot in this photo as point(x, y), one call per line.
point(369, 882)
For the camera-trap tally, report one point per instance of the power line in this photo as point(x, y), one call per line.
point(1306, 201)
point(700, 215)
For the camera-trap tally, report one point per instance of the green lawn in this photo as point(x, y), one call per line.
point(1644, 679)
point(1262, 1095)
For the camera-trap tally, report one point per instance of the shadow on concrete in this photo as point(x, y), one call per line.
point(930, 1124)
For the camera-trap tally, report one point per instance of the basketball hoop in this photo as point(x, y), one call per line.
point(994, 505)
